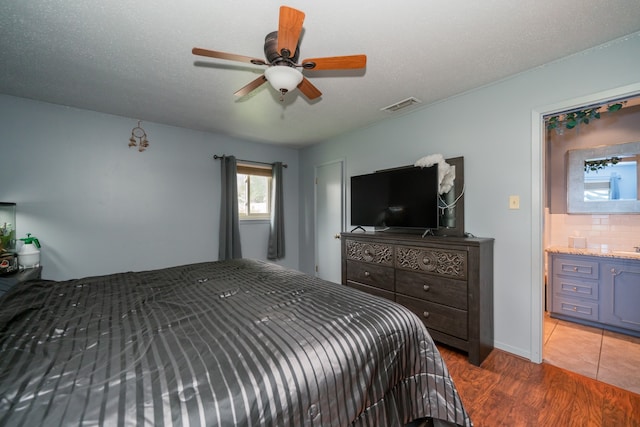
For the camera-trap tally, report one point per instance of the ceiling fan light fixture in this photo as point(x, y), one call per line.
point(282, 50)
point(283, 78)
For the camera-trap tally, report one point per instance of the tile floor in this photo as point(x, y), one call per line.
point(606, 356)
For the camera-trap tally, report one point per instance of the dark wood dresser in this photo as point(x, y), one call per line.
point(446, 281)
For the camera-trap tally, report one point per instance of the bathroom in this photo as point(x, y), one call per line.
point(588, 229)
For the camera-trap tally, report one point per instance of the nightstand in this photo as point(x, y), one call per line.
point(10, 280)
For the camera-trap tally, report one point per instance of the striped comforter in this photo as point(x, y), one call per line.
point(230, 343)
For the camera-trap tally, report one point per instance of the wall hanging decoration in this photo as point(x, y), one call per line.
point(138, 138)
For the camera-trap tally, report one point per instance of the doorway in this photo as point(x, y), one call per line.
point(329, 210)
point(541, 227)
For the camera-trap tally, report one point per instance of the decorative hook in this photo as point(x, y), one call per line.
point(138, 138)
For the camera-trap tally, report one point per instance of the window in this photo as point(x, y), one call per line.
point(254, 191)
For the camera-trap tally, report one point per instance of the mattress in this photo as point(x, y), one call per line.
point(225, 343)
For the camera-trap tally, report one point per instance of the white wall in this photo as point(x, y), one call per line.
point(98, 206)
point(492, 128)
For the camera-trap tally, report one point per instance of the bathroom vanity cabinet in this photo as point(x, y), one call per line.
point(596, 289)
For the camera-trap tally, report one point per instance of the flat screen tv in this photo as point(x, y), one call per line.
point(397, 198)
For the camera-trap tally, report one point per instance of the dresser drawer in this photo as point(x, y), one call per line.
point(442, 262)
point(573, 267)
point(370, 274)
point(575, 288)
point(432, 288)
point(375, 253)
point(448, 320)
point(372, 290)
point(576, 308)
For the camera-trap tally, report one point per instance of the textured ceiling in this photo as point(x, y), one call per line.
point(133, 58)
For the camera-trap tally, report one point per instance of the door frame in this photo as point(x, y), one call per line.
point(343, 201)
point(538, 152)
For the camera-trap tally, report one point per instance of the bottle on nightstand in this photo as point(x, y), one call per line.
point(29, 253)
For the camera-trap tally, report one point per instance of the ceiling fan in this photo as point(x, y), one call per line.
point(282, 50)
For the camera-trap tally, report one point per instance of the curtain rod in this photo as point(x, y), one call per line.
point(216, 157)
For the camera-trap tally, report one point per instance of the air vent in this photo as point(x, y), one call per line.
point(401, 105)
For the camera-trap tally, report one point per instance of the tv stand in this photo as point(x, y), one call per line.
point(446, 281)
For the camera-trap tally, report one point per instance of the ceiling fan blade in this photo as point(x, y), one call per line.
point(335, 62)
point(289, 29)
point(229, 56)
point(309, 90)
point(251, 86)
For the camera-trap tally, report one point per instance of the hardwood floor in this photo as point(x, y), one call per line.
point(511, 391)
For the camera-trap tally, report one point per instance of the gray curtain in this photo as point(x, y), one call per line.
point(229, 246)
point(276, 230)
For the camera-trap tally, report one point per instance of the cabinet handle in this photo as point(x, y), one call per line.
point(426, 288)
point(574, 308)
point(367, 274)
point(575, 288)
point(575, 268)
point(425, 314)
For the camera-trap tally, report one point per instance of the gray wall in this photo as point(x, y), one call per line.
point(98, 206)
point(492, 128)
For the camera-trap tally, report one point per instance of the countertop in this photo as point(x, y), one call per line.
point(594, 252)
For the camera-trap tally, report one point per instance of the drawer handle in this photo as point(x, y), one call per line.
point(575, 268)
point(574, 308)
point(575, 288)
point(367, 274)
point(426, 288)
point(425, 314)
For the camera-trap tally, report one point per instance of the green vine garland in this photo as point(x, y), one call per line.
point(573, 119)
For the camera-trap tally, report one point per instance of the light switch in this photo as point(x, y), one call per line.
point(514, 202)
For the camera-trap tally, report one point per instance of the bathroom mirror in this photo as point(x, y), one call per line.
point(604, 179)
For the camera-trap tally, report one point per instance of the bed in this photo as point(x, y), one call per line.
point(225, 343)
